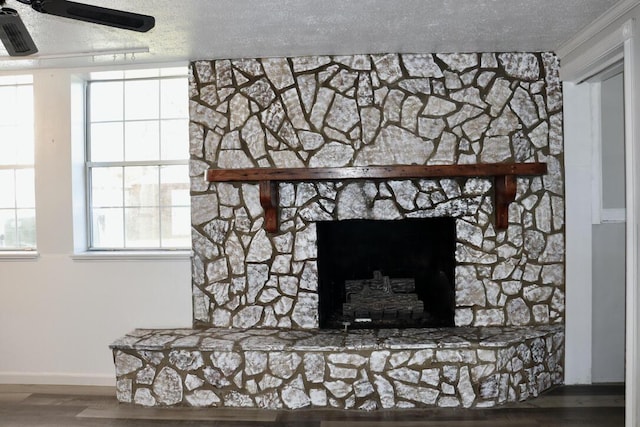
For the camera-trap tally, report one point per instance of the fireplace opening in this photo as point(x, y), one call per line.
point(386, 274)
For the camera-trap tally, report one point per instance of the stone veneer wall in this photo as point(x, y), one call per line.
point(383, 109)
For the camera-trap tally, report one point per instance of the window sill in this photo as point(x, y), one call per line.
point(18, 255)
point(132, 255)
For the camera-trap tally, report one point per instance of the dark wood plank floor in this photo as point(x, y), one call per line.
point(40, 406)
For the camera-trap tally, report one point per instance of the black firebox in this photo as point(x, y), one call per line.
point(386, 274)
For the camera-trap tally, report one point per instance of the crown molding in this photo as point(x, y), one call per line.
point(610, 16)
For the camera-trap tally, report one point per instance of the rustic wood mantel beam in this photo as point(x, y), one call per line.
point(504, 175)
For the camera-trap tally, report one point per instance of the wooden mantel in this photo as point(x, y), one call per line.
point(504, 175)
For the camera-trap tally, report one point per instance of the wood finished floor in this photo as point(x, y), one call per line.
point(39, 406)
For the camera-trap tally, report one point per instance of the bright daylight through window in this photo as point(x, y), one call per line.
point(137, 160)
point(17, 196)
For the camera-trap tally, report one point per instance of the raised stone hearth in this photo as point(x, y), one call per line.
point(365, 369)
point(258, 339)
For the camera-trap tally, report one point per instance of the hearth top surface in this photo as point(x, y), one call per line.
point(220, 339)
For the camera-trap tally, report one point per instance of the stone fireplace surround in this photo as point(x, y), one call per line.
point(256, 341)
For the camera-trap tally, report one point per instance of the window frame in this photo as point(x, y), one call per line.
point(17, 252)
point(113, 253)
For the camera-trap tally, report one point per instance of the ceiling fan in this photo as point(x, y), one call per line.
point(18, 41)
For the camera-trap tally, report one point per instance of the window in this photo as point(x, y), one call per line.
point(17, 195)
point(137, 160)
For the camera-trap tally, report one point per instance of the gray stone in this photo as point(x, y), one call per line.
point(469, 290)
point(278, 72)
point(459, 61)
point(427, 396)
point(202, 398)
point(437, 106)
point(385, 390)
point(247, 317)
point(124, 390)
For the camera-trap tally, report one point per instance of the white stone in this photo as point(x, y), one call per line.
point(496, 149)
point(378, 360)
point(305, 244)
point(421, 65)
point(469, 290)
point(124, 390)
point(465, 388)
point(517, 312)
point(385, 391)
point(168, 387)
point(186, 360)
point(404, 374)
point(459, 61)
point(247, 317)
point(437, 106)
point(333, 154)
point(294, 396)
point(260, 248)
point(428, 396)
point(524, 107)
point(522, 66)
point(278, 72)
point(202, 398)
point(126, 363)
point(387, 67)
point(144, 397)
point(284, 365)
point(314, 367)
point(192, 382)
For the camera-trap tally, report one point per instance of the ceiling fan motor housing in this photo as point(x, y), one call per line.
point(14, 34)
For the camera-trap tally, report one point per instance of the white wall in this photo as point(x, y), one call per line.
point(57, 314)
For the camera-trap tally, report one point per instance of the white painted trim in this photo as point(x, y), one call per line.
point(578, 229)
point(632, 156)
point(604, 53)
point(608, 216)
point(596, 152)
point(54, 378)
point(132, 255)
point(19, 255)
point(609, 17)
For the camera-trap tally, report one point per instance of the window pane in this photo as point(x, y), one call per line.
point(176, 230)
point(8, 230)
point(7, 186)
point(8, 96)
point(174, 185)
point(106, 101)
point(107, 142)
point(142, 99)
point(25, 188)
point(174, 140)
point(108, 228)
point(143, 225)
point(26, 228)
point(106, 187)
point(23, 140)
point(141, 186)
point(174, 97)
point(142, 141)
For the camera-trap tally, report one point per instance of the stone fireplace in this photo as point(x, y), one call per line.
point(259, 318)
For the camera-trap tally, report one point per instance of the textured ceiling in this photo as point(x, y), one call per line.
point(204, 29)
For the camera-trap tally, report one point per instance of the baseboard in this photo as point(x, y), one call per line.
point(54, 378)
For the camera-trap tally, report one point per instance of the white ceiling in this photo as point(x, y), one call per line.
point(208, 29)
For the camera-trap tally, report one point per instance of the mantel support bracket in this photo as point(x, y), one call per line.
point(505, 193)
point(269, 202)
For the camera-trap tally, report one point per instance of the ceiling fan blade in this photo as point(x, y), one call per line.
point(14, 35)
point(95, 14)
